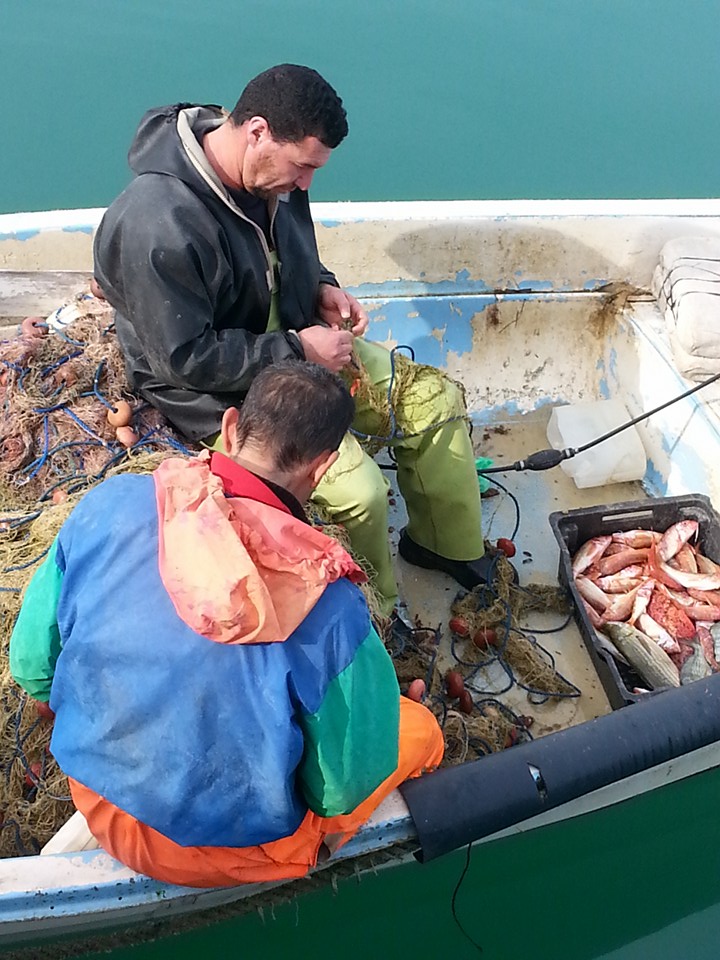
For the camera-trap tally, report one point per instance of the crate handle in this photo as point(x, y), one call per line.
point(636, 515)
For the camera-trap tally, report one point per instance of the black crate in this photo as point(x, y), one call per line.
point(573, 527)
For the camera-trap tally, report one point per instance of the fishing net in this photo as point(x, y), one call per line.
point(474, 726)
point(56, 390)
point(522, 658)
point(415, 401)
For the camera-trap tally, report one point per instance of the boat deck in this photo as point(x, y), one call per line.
point(429, 594)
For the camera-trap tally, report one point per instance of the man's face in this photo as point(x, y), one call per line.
point(272, 167)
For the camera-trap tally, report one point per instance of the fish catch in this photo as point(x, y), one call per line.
point(696, 666)
point(655, 595)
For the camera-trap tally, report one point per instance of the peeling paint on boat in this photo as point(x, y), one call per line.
point(22, 235)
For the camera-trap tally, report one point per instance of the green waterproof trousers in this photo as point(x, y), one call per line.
point(436, 474)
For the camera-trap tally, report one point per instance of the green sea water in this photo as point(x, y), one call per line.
point(459, 99)
point(462, 99)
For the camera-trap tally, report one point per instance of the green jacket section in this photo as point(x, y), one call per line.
point(36, 642)
point(335, 774)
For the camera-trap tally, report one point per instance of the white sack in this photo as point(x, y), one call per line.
point(686, 284)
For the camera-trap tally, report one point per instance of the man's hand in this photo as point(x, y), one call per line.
point(341, 310)
point(327, 346)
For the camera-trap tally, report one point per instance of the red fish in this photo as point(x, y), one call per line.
point(705, 564)
point(592, 593)
point(702, 611)
point(619, 583)
point(589, 552)
point(657, 633)
point(620, 607)
point(642, 599)
point(637, 539)
point(593, 616)
point(670, 616)
point(674, 538)
point(679, 578)
point(706, 596)
point(684, 651)
point(619, 561)
point(708, 648)
point(685, 560)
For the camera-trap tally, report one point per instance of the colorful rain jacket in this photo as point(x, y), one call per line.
point(212, 666)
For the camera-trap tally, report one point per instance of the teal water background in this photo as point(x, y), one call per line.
point(454, 99)
point(462, 99)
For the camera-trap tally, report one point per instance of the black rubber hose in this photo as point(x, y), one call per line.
point(458, 805)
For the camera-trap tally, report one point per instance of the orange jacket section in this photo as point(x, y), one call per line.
point(237, 570)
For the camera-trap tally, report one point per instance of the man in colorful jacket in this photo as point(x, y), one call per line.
point(210, 260)
point(223, 705)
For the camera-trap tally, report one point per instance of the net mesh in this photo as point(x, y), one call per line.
point(56, 390)
point(475, 726)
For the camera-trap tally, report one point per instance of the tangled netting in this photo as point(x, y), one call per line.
point(485, 632)
point(407, 406)
point(56, 390)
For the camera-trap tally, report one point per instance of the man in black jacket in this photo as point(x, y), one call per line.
point(210, 260)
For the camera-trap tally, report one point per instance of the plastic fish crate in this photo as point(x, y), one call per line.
point(573, 527)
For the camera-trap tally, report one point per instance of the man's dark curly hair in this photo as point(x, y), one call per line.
point(297, 410)
point(296, 102)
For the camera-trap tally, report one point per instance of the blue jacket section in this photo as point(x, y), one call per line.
point(197, 739)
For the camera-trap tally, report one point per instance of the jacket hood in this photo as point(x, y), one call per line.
point(237, 570)
point(157, 146)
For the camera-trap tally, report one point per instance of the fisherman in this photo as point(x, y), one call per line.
point(210, 260)
point(223, 705)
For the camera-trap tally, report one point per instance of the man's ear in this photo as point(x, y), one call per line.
point(228, 431)
point(321, 465)
point(257, 130)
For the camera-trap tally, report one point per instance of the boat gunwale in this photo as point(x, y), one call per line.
point(348, 211)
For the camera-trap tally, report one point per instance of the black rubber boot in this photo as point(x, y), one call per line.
point(468, 573)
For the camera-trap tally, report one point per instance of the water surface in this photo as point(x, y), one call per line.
point(464, 99)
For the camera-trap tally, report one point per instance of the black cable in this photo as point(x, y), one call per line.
point(496, 483)
point(650, 413)
point(453, 908)
point(546, 459)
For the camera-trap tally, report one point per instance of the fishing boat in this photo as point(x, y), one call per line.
point(532, 305)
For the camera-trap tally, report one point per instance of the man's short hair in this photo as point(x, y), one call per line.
point(297, 410)
point(296, 102)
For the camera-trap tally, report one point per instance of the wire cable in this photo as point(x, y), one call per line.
point(453, 902)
